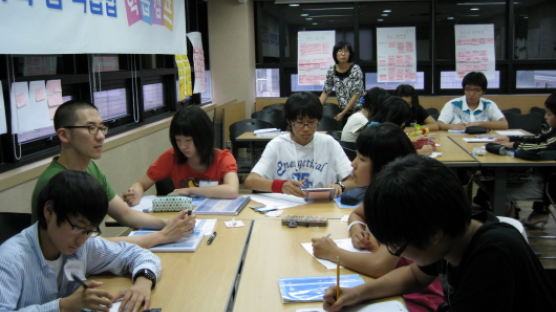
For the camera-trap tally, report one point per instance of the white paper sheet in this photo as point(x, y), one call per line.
point(344, 243)
point(278, 201)
point(511, 132)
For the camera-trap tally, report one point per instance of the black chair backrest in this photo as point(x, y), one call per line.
point(330, 110)
point(538, 110)
point(12, 223)
point(329, 124)
point(529, 122)
point(511, 111)
point(246, 125)
point(350, 149)
point(433, 112)
point(272, 116)
point(278, 106)
point(164, 187)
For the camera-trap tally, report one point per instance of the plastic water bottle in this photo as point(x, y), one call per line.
point(506, 151)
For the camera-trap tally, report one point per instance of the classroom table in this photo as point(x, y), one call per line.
point(275, 252)
point(500, 165)
point(200, 281)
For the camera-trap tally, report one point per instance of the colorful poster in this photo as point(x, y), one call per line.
point(314, 56)
point(475, 49)
point(92, 26)
point(184, 74)
point(396, 54)
point(3, 126)
point(198, 61)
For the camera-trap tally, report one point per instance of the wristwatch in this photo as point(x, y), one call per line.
point(146, 273)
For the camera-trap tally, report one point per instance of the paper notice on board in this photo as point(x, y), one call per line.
point(314, 56)
point(198, 61)
point(475, 49)
point(3, 125)
point(185, 87)
point(396, 54)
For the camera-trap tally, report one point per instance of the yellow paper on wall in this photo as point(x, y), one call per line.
point(185, 85)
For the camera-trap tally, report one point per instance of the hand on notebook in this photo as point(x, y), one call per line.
point(362, 239)
point(325, 248)
point(137, 297)
point(93, 298)
point(348, 296)
point(179, 226)
point(293, 187)
point(182, 191)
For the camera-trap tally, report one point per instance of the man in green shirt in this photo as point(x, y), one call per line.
point(81, 132)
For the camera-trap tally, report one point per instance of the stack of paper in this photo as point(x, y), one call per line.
point(267, 132)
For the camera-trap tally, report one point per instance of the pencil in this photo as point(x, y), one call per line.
point(337, 277)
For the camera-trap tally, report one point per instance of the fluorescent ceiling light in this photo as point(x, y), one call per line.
point(331, 15)
point(327, 9)
point(294, 4)
point(387, 11)
point(309, 19)
point(315, 24)
point(380, 20)
point(482, 3)
point(450, 18)
point(474, 9)
point(304, 14)
point(384, 14)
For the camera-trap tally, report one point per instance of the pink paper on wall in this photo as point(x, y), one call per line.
point(133, 11)
point(21, 99)
point(39, 94)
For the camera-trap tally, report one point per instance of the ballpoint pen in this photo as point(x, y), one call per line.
point(211, 238)
point(80, 281)
point(337, 277)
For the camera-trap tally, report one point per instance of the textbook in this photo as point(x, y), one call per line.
point(227, 207)
point(311, 289)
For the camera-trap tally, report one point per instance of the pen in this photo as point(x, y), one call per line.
point(80, 281)
point(211, 238)
point(337, 277)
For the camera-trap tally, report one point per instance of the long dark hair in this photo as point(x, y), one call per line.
point(193, 121)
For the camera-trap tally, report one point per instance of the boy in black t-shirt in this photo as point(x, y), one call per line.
point(419, 210)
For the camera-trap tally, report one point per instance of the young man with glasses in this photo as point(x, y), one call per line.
point(43, 267)
point(301, 158)
point(472, 109)
point(418, 209)
point(81, 133)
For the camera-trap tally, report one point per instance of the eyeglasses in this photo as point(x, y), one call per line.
point(81, 231)
point(342, 52)
point(93, 129)
point(300, 125)
point(396, 250)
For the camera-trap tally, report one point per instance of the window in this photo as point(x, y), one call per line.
point(371, 81)
point(535, 22)
point(206, 96)
point(111, 104)
point(153, 96)
point(536, 79)
point(295, 87)
point(268, 82)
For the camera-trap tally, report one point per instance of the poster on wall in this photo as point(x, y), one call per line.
point(475, 49)
point(396, 54)
point(92, 26)
point(184, 76)
point(314, 56)
point(3, 126)
point(198, 61)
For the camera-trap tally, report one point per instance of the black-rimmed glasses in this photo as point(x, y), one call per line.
point(81, 231)
point(93, 129)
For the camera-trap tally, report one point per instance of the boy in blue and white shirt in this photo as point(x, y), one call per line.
point(471, 109)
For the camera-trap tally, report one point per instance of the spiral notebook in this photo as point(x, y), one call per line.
point(227, 207)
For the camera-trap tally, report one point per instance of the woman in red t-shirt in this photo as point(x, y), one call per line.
point(193, 164)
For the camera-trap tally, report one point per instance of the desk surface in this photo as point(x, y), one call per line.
point(275, 252)
point(199, 281)
point(452, 154)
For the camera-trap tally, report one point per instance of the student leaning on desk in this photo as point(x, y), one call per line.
point(42, 268)
point(81, 132)
point(417, 208)
point(377, 145)
point(472, 109)
point(193, 164)
point(301, 158)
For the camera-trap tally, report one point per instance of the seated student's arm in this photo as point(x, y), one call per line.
point(373, 264)
point(254, 181)
point(348, 107)
point(500, 124)
point(431, 124)
point(447, 120)
point(171, 230)
point(360, 236)
point(133, 195)
point(445, 126)
point(402, 280)
point(323, 97)
point(228, 189)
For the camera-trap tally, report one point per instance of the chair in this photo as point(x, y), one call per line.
point(350, 149)
point(272, 116)
point(12, 223)
point(538, 110)
point(164, 187)
point(278, 106)
point(433, 112)
point(244, 164)
point(330, 110)
point(329, 124)
point(511, 111)
point(529, 122)
point(515, 223)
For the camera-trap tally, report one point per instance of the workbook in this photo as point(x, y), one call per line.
point(312, 288)
point(227, 207)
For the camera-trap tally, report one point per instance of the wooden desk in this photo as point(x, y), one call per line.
point(200, 281)
point(327, 209)
point(500, 165)
point(452, 154)
point(275, 252)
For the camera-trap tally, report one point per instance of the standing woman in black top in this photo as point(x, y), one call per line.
point(346, 78)
point(418, 114)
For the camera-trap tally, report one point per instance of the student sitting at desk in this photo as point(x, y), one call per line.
point(193, 164)
point(81, 132)
point(37, 265)
point(471, 109)
point(301, 158)
point(418, 209)
point(418, 114)
point(377, 145)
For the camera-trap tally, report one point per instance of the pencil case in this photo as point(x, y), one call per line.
point(294, 221)
point(172, 203)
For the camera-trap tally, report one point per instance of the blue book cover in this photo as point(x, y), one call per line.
point(186, 244)
point(213, 206)
point(310, 289)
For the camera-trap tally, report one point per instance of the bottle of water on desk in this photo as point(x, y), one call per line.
point(506, 151)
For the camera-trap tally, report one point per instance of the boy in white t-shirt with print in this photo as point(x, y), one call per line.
point(301, 158)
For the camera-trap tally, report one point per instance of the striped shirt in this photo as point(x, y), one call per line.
point(530, 147)
point(28, 283)
point(457, 111)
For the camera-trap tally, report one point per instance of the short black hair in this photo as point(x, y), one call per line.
point(194, 122)
point(374, 99)
point(302, 104)
point(408, 90)
point(475, 79)
point(413, 198)
point(394, 110)
point(383, 143)
point(73, 194)
point(341, 45)
point(550, 102)
point(66, 113)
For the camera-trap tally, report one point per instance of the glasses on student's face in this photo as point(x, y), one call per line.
point(396, 250)
point(92, 128)
point(301, 125)
point(342, 51)
point(472, 89)
point(82, 231)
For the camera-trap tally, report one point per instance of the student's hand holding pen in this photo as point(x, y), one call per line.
point(348, 296)
point(179, 226)
point(90, 297)
point(293, 187)
point(325, 248)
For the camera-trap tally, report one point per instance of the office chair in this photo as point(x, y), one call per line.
point(530, 122)
point(433, 112)
point(164, 187)
point(514, 111)
point(277, 106)
point(272, 116)
point(244, 164)
point(329, 124)
point(12, 223)
point(350, 149)
point(330, 110)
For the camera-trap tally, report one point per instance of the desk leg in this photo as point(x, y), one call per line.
point(498, 196)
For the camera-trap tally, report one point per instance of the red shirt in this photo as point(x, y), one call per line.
point(166, 166)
